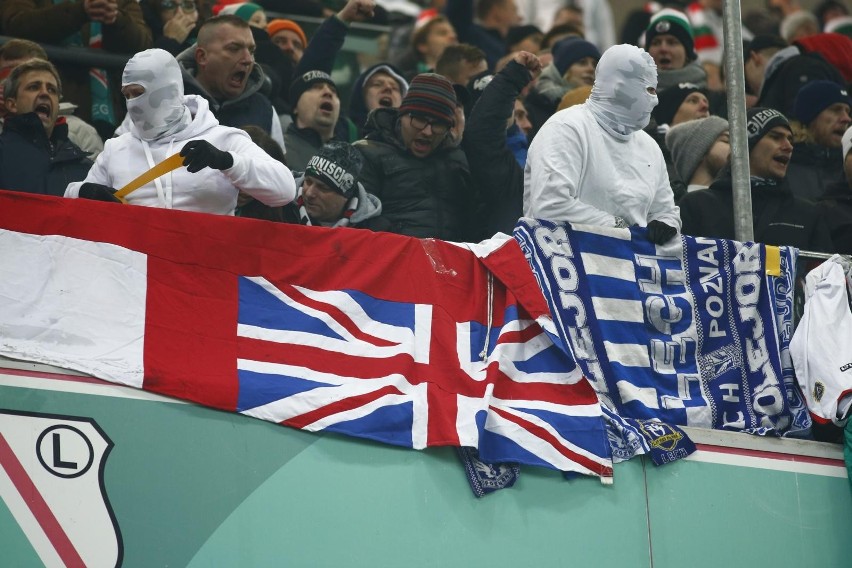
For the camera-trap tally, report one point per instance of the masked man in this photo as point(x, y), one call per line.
point(592, 163)
point(219, 161)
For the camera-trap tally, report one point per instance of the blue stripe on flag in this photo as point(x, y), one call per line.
point(398, 314)
point(259, 308)
point(391, 424)
point(257, 389)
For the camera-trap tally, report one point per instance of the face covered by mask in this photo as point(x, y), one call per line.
point(624, 93)
point(160, 110)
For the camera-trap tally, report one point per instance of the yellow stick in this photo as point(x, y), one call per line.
point(171, 163)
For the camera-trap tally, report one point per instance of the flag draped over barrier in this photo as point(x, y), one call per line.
point(685, 333)
point(404, 341)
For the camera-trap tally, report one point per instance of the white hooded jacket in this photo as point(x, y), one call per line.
point(164, 120)
point(592, 162)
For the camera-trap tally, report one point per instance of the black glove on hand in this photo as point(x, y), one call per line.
point(200, 154)
point(659, 233)
point(98, 192)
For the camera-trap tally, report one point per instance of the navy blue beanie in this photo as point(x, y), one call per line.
point(816, 96)
point(570, 50)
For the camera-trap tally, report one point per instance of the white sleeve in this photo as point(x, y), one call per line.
point(98, 173)
point(553, 172)
point(256, 173)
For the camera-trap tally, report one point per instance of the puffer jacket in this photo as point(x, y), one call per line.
point(421, 197)
point(30, 162)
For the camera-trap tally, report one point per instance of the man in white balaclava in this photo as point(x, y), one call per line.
point(218, 161)
point(592, 163)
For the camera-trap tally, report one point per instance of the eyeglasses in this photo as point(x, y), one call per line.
point(420, 123)
point(185, 5)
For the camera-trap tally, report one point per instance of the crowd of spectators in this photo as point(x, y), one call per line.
point(480, 112)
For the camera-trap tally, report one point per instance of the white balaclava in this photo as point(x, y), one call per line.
point(160, 111)
point(620, 100)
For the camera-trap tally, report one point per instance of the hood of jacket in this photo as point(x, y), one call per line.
point(552, 85)
point(357, 106)
point(189, 67)
point(369, 205)
point(775, 63)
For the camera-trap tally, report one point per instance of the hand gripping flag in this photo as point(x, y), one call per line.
point(684, 333)
point(399, 340)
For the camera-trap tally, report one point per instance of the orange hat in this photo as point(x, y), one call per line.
point(276, 26)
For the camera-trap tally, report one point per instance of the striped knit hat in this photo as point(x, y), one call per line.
point(431, 95)
point(672, 22)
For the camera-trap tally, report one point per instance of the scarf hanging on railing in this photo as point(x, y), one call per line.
point(102, 107)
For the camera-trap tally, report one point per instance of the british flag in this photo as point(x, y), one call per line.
point(346, 362)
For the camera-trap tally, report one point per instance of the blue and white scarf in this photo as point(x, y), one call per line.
point(684, 333)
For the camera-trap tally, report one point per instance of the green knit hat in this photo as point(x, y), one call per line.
point(243, 10)
point(672, 22)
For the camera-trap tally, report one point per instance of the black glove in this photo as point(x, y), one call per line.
point(98, 192)
point(200, 154)
point(659, 233)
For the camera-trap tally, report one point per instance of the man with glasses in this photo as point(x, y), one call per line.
point(173, 23)
point(412, 163)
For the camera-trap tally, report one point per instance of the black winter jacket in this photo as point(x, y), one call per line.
point(495, 171)
point(31, 163)
point(836, 208)
point(780, 89)
point(431, 197)
point(779, 217)
point(812, 169)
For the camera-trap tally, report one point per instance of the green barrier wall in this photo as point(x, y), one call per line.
point(196, 487)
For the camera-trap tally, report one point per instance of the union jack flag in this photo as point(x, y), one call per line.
point(346, 362)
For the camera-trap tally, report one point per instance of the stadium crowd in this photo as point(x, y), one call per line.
point(479, 112)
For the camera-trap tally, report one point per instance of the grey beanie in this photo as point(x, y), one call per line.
point(690, 141)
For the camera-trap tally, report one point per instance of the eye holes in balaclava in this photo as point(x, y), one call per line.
point(624, 93)
point(160, 110)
